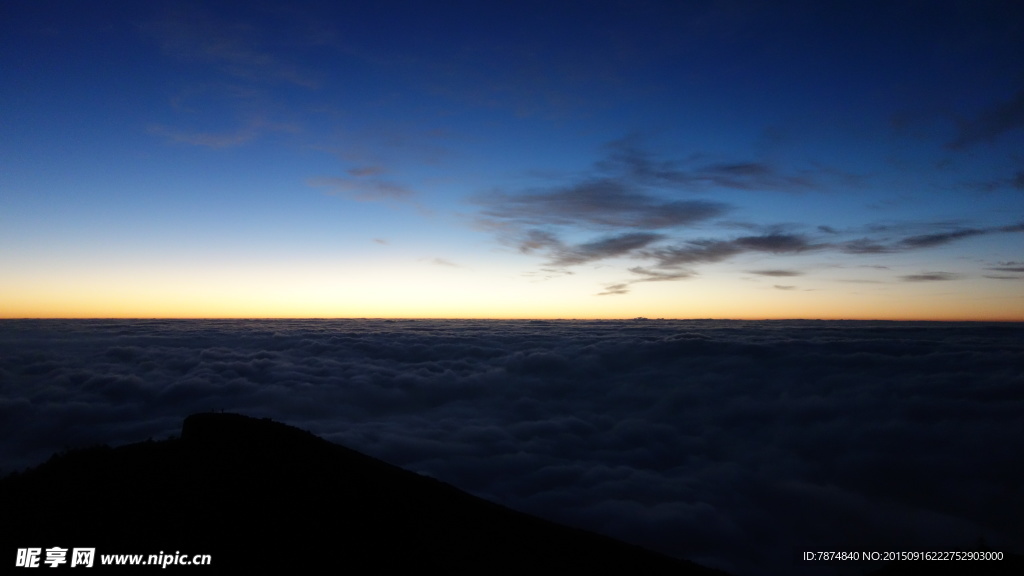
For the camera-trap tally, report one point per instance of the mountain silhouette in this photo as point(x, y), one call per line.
point(256, 494)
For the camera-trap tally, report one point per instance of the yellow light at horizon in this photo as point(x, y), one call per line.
point(425, 290)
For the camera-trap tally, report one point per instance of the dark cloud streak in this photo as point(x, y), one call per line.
point(930, 240)
point(610, 247)
point(627, 160)
point(600, 204)
point(931, 277)
point(363, 189)
point(921, 241)
point(991, 123)
point(708, 251)
point(776, 273)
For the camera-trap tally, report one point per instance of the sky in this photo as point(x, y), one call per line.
point(713, 159)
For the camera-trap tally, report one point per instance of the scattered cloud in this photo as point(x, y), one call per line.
point(1008, 269)
point(627, 160)
point(775, 243)
point(245, 66)
point(614, 289)
point(364, 171)
point(609, 247)
point(991, 123)
point(1016, 182)
point(672, 262)
point(631, 197)
point(866, 246)
point(660, 275)
point(206, 139)
point(778, 273)
point(1010, 266)
point(708, 251)
point(694, 252)
point(233, 48)
point(363, 189)
point(533, 240)
point(634, 194)
point(931, 277)
point(443, 262)
point(598, 204)
point(251, 130)
point(919, 241)
point(780, 287)
point(930, 240)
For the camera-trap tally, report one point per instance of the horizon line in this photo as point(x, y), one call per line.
point(482, 318)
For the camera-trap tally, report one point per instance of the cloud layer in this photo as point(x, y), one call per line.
point(736, 444)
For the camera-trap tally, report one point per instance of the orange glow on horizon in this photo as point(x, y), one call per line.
point(306, 291)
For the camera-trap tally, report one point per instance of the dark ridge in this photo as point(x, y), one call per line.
point(262, 496)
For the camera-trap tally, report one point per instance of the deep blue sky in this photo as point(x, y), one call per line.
point(484, 159)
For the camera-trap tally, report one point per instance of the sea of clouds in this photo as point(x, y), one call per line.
point(736, 444)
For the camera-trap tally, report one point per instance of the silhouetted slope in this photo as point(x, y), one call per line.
point(257, 494)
